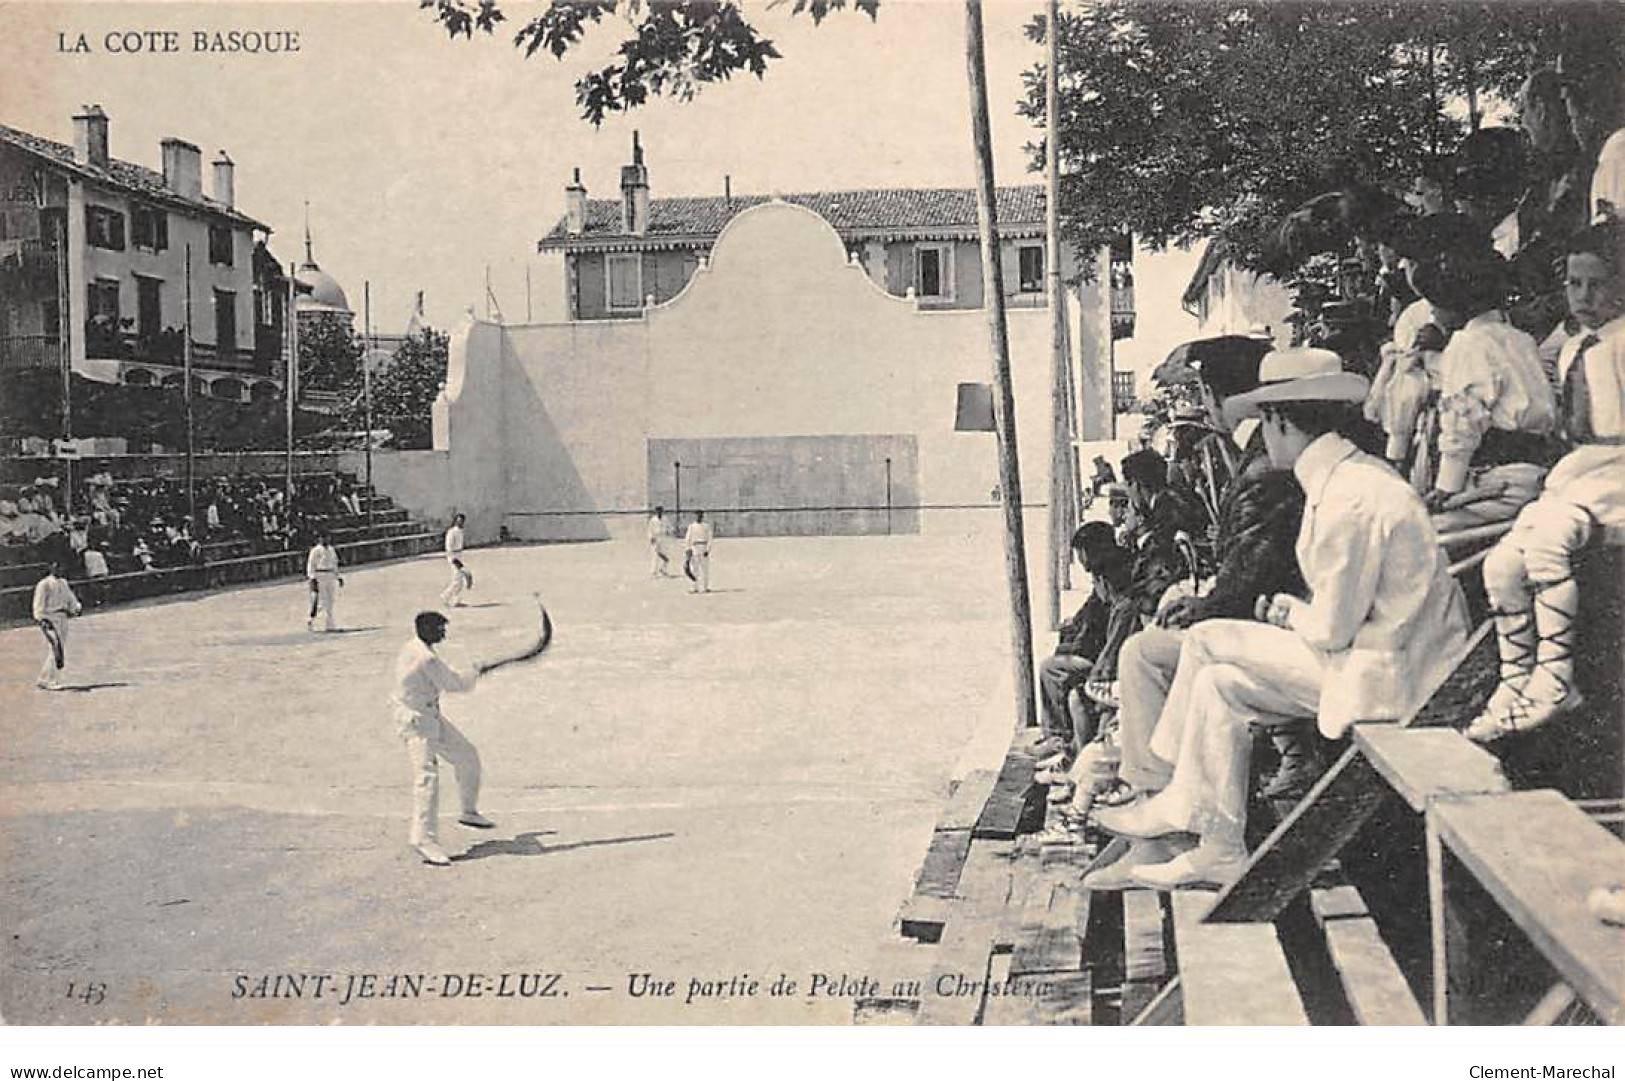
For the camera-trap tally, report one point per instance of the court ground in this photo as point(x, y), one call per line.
point(690, 787)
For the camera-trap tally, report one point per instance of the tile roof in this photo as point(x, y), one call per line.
point(863, 212)
point(126, 175)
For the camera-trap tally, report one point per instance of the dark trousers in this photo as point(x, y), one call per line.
point(1057, 676)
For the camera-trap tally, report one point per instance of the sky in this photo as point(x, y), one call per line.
point(427, 161)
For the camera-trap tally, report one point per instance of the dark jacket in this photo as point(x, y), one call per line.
point(1158, 562)
point(1085, 632)
point(1259, 516)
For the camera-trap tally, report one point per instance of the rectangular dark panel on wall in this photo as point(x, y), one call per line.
point(800, 485)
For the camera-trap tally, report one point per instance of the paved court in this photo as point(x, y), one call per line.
point(692, 787)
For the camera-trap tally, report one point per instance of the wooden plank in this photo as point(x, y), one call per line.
point(1145, 967)
point(944, 859)
point(922, 918)
point(967, 940)
point(1552, 1006)
point(1027, 880)
point(1000, 1011)
point(1232, 973)
point(967, 799)
point(1422, 763)
point(1007, 804)
point(1335, 903)
point(1067, 998)
point(901, 968)
point(1539, 856)
point(1167, 1008)
point(1056, 946)
point(1288, 860)
point(1375, 988)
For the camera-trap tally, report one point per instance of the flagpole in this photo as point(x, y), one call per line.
point(366, 388)
point(186, 368)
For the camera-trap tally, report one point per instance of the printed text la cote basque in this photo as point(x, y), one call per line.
point(253, 41)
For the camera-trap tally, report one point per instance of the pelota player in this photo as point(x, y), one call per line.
point(461, 577)
point(54, 604)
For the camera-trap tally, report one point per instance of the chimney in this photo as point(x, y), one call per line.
point(90, 136)
point(225, 180)
point(183, 168)
point(635, 193)
point(575, 206)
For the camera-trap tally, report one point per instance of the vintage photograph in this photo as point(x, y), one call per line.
point(815, 513)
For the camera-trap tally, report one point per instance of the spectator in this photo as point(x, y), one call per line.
point(1383, 613)
point(95, 562)
point(1496, 411)
point(1080, 638)
point(1529, 575)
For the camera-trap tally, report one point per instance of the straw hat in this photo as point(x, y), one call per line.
point(1298, 375)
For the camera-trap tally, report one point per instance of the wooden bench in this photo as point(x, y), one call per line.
point(1538, 856)
point(1231, 973)
point(1376, 990)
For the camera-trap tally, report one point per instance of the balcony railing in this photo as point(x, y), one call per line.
point(29, 351)
point(166, 347)
point(28, 266)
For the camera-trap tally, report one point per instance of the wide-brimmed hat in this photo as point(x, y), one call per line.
point(1298, 375)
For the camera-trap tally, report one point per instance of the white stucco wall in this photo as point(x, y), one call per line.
point(778, 336)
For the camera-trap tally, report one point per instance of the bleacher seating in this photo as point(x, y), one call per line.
point(392, 534)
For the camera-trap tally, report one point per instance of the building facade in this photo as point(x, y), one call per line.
point(623, 255)
point(93, 267)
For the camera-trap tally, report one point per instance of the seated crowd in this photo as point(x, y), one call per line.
point(145, 524)
point(1311, 586)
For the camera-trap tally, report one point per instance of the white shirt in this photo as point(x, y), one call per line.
point(454, 542)
point(420, 677)
point(1417, 314)
point(53, 597)
point(657, 527)
point(698, 536)
point(1384, 609)
point(323, 559)
point(1608, 179)
point(95, 563)
point(1489, 377)
point(1604, 374)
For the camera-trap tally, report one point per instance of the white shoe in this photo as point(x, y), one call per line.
point(432, 853)
point(1139, 819)
point(476, 820)
point(1119, 875)
point(1201, 866)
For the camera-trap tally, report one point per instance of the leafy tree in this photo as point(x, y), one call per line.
point(403, 393)
point(1180, 121)
point(329, 354)
point(674, 49)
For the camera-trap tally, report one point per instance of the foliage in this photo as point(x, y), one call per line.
point(403, 393)
point(1180, 121)
point(674, 48)
point(329, 354)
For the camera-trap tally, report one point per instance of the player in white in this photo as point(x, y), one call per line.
point(658, 532)
point(54, 603)
point(697, 548)
point(460, 578)
point(420, 678)
point(322, 572)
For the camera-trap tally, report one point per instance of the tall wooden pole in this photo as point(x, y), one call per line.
point(1004, 402)
point(1062, 496)
point(366, 388)
point(186, 396)
point(291, 382)
point(64, 348)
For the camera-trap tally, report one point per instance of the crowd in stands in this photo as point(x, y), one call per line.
point(147, 524)
point(1295, 562)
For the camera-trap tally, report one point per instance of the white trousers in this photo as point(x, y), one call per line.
point(657, 558)
point(1231, 673)
point(1145, 672)
point(700, 562)
point(49, 673)
point(453, 593)
point(327, 595)
point(429, 737)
